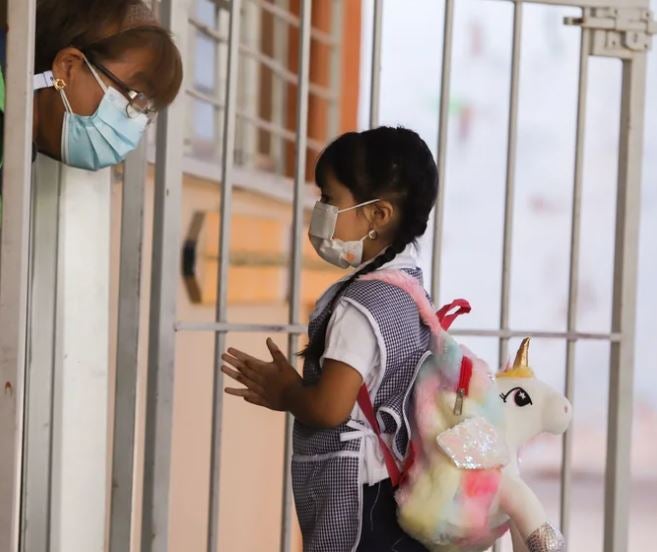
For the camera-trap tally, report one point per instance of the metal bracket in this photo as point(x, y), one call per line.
point(617, 32)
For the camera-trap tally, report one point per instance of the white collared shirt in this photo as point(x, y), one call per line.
point(351, 339)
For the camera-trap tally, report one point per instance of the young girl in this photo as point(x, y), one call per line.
point(378, 188)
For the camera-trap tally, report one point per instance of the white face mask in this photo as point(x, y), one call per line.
point(322, 227)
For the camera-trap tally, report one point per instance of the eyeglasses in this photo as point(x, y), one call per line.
point(138, 102)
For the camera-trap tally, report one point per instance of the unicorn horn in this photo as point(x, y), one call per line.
point(522, 356)
point(520, 368)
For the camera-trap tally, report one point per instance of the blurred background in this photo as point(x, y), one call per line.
point(252, 456)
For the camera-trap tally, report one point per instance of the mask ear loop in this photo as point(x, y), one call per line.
point(357, 206)
point(59, 85)
point(372, 234)
point(100, 82)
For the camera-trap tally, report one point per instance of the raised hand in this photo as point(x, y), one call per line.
point(265, 383)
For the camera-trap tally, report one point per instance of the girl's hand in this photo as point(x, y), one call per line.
point(266, 384)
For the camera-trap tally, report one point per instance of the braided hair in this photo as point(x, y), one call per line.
point(388, 163)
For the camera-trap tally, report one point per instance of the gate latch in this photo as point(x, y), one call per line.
point(617, 32)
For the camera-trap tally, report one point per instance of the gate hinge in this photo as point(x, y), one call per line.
point(617, 32)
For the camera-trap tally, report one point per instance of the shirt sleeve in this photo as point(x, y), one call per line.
point(350, 339)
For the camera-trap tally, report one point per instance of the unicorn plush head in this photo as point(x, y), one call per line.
point(531, 406)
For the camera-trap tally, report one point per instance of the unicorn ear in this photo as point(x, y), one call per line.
point(474, 444)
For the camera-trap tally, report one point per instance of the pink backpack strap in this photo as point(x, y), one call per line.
point(442, 319)
point(410, 285)
point(437, 322)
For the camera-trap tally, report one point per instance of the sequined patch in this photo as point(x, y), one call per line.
point(474, 444)
point(546, 539)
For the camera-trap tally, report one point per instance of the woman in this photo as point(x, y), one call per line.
point(102, 71)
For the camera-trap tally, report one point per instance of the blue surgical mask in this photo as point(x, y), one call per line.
point(105, 138)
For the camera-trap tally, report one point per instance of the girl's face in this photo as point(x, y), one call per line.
point(351, 225)
point(355, 224)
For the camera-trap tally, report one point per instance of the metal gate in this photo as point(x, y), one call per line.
point(619, 29)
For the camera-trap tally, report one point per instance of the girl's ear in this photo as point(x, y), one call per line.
point(380, 214)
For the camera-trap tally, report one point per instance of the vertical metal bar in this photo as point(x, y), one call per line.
point(375, 80)
point(301, 143)
point(14, 261)
point(621, 391)
point(279, 93)
point(125, 395)
point(443, 130)
point(227, 161)
point(39, 389)
point(164, 282)
point(335, 86)
point(567, 447)
point(510, 177)
point(512, 137)
point(221, 61)
point(249, 78)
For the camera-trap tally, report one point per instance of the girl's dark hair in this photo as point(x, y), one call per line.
point(383, 163)
point(108, 29)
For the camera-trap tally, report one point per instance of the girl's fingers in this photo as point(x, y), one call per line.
point(249, 366)
point(243, 379)
point(245, 368)
point(248, 395)
point(240, 355)
point(233, 361)
point(237, 376)
point(239, 392)
point(253, 370)
point(276, 354)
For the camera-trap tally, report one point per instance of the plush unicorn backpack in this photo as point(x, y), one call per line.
point(460, 489)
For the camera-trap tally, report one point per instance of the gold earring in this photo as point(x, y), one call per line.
point(59, 84)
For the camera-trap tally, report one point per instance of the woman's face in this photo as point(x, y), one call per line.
point(84, 92)
point(82, 89)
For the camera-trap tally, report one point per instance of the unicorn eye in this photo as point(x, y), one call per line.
point(520, 396)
